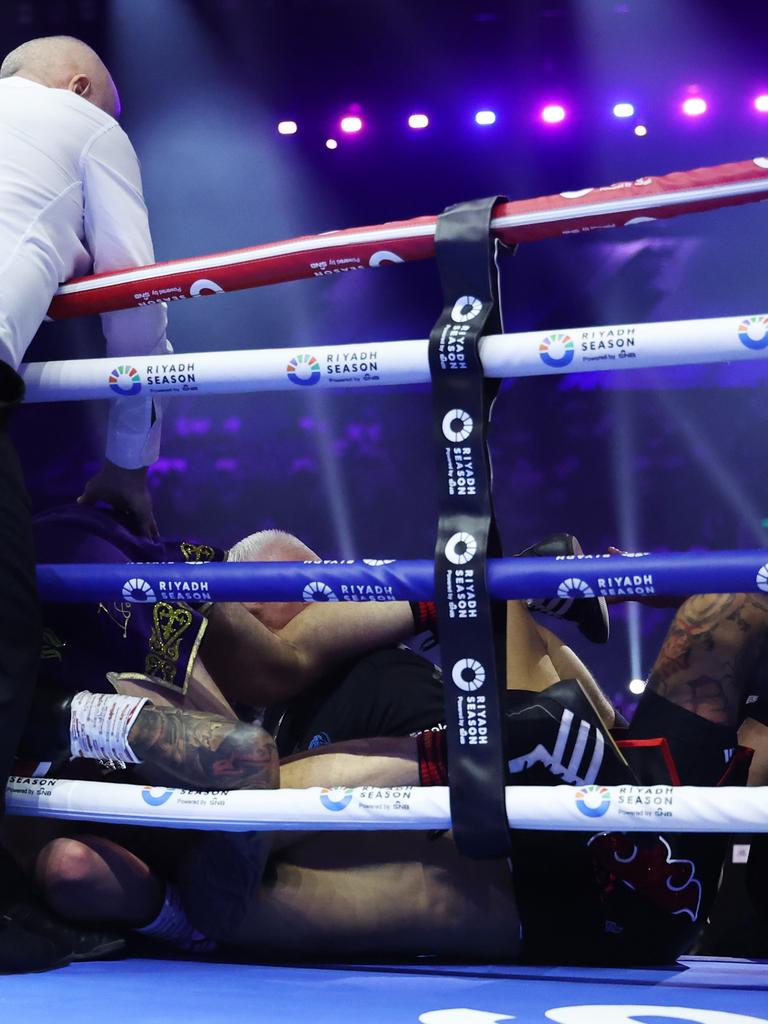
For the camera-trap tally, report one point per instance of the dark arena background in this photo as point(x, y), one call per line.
point(520, 99)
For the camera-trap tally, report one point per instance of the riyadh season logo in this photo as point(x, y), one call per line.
point(378, 561)
point(468, 675)
point(556, 350)
point(204, 287)
point(336, 799)
point(138, 591)
point(593, 801)
point(124, 380)
point(317, 591)
point(384, 256)
point(466, 308)
point(457, 425)
point(156, 796)
point(461, 548)
point(753, 333)
point(762, 578)
point(574, 587)
point(303, 369)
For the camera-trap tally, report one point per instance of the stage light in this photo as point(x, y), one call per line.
point(637, 686)
point(761, 103)
point(641, 130)
point(418, 121)
point(694, 106)
point(331, 144)
point(485, 117)
point(351, 124)
point(623, 110)
point(553, 113)
point(287, 127)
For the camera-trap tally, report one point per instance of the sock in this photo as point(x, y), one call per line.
point(424, 616)
point(174, 928)
point(432, 752)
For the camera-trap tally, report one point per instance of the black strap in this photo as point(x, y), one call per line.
point(472, 631)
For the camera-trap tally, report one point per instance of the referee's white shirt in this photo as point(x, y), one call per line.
point(71, 203)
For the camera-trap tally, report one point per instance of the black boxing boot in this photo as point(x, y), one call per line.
point(589, 613)
point(556, 737)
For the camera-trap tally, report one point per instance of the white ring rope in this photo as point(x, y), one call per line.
point(377, 364)
point(568, 808)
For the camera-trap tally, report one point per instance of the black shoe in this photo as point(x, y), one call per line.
point(80, 943)
point(22, 950)
point(589, 613)
point(46, 734)
point(557, 737)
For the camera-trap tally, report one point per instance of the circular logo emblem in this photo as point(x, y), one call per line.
point(468, 674)
point(138, 592)
point(156, 796)
point(124, 380)
point(753, 333)
point(593, 801)
point(378, 561)
point(461, 548)
point(384, 256)
point(762, 578)
point(457, 425)
point(465, 308)
point(556, 350)
point(317, 591)
point(303, 369)
point(204, 287)
point(574, 587)
point(337, 798)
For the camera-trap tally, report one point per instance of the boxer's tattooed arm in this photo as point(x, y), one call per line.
point(199, 751)
point(709, 652)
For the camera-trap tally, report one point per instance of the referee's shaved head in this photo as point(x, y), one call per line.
point(63, 62)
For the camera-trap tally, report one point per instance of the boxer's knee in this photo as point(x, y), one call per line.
point(64, 872)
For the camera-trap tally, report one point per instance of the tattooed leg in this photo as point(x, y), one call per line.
point(189, 748)
point(713, 647)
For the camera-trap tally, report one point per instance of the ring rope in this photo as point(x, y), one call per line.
point(381, 364)
point(568, 808)
point(636, 575)
point(628, 202)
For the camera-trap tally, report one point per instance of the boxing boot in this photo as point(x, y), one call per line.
point(589, 613)
point(557, 737)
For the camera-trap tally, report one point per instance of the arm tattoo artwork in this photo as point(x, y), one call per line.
point(709, 651)
point(200, 751)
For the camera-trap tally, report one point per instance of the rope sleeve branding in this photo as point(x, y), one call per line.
point(471, 640)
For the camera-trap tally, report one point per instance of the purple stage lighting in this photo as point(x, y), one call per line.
point(418, 121)
point(485, 117)
point(623, 110)
point(351, 124)
point(761, 103)
point(287, 127)
point(694, 106)
point(553, 113)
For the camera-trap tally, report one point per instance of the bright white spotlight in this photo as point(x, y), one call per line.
point(623, 110)
point(761, 103)
point(287, 127)
point(418, 121)
point(694, 106)
point(485, 117)
point(351, 124)
point(331, 144)
point(641, 130)
point(553, 113)
point(637, 686)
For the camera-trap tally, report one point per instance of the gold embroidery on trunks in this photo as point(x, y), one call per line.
point(169, 624)
point(121, 616)
point(51, 645)
point(196, 552)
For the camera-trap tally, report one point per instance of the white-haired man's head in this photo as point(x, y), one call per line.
point(272, 546)
point(63, 62)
